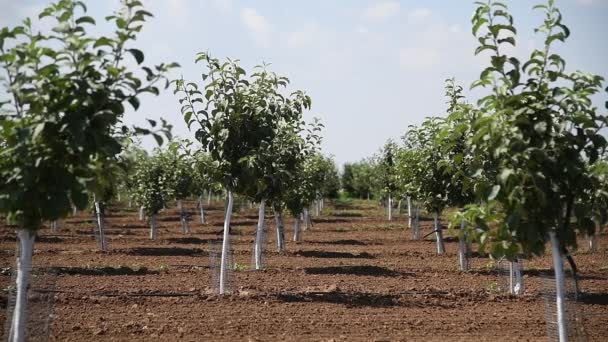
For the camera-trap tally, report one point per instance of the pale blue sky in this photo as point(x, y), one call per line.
point(372, 67)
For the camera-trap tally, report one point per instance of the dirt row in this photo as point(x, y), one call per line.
point(354, 276)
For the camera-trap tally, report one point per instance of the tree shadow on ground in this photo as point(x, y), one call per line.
point(102, 271)
point(328, 220)
point(594, 298)
point(347, 214)
point(165, 251)
point(193, 240)
point(374, 271)
point(333, 255)
point(351, 299)
point(339, 242)
point(48, 239)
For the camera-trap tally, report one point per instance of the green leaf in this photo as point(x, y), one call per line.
point(103, 41)
point(134, 101)
point(139, 56)
point(85, 19)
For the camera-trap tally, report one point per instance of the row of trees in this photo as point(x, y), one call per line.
point(258, 143)
point(524, 166)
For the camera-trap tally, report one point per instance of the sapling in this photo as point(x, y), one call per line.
point(234, 122)
point(535, 140)
point(66, 91)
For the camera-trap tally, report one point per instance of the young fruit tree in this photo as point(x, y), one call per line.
point(427, 180)
point(65, 95)
point(385, 173)
point(203, 179)
point(152, 187)
point(456, 160)
point(179, 169)
point(275, 158)
point(541, 133)
point(233, 123)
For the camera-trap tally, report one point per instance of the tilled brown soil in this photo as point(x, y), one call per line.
point(353, 277)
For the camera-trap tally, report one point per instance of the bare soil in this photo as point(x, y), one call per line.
point(354, 276)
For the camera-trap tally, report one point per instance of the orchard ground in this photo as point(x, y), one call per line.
point(354, 276)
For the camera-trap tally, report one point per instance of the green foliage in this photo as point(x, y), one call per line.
point(537, 140)
point(385, 170)
point(152, 183)
point(238, 118)
point(65, 95)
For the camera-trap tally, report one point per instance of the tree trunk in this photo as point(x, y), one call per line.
point(592, 242)
point(399, 207)
point(259, 235)
point(296, 229)
point(409, 212)
point(515, 279)
point(74, 210)
point(100, 226)
point(560, 294)
point(306, 219)
point(416, 224)
point(225, 244)
point(141, 213)
point(438, 234)
point(24, 266)
point(54, 227)
point(278, 218)
point(390, 207)
point(153, 227)
point(130, 202)
point(463, 249)
point(201, 209)
point(209, 197)
point(182, 216)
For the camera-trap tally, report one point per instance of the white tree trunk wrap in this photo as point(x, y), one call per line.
point(306, 218)
point(296, 229)
point(54, 227)
point(592, 242)
point(224, 261)
point(560, 294)
point(153, 227)
point(24, 266)
point(209, 197)
point(100, 226)
point(182, 217)
point(259, 236)
point(463, 249)
point(130, 202)
point(278, 219)
point(409, 212)
point(201, 209)
point(416, 224)
point(516, 285)
point(74, 210)
point(390, 207)
point(438, 234)
point(141, 213)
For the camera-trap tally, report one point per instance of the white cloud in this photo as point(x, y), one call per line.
point(258, 26)
point(419, 14)
point(381, 11)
